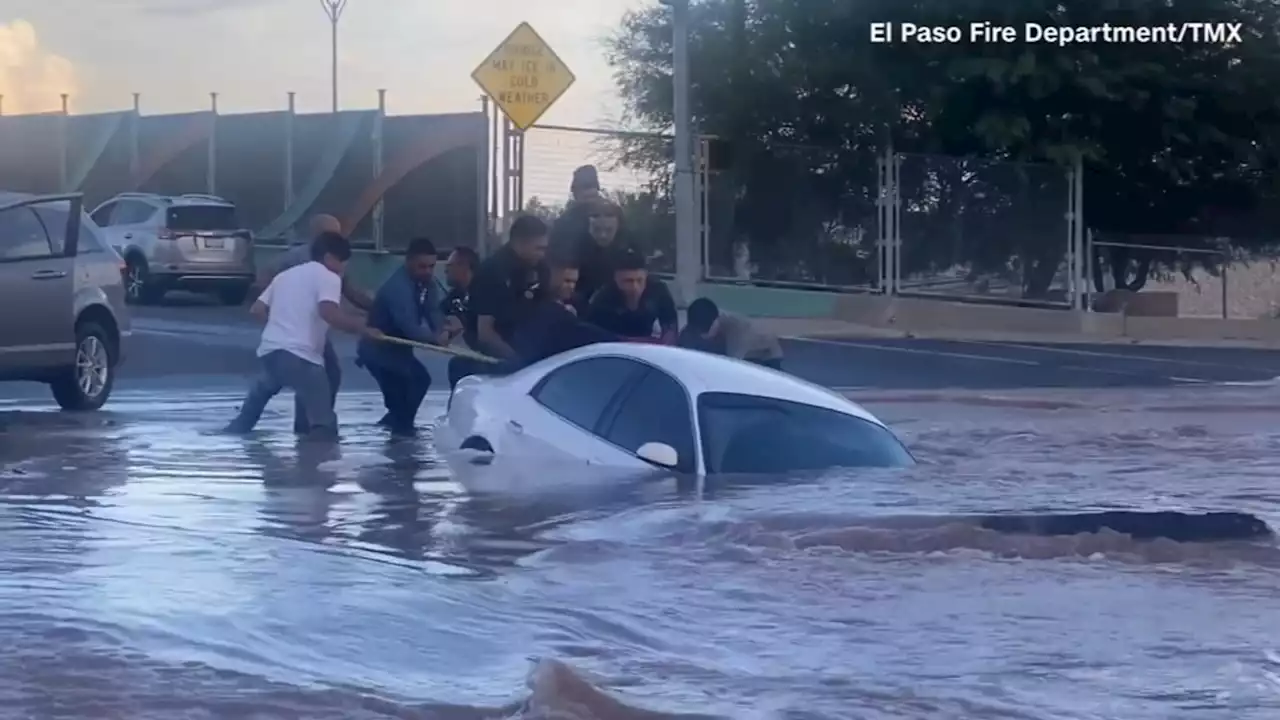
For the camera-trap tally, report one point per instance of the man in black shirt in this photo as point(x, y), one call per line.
point(509, 286)
point(459, 271)
point(633, 303)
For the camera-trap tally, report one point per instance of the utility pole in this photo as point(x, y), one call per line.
point(333, 9)
point(688, 253)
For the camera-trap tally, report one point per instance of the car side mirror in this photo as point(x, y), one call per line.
point(660, 454)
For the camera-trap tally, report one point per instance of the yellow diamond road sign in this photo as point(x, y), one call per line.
point(524, 76)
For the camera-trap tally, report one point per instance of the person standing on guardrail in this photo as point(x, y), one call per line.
point(407, 306)
point(596, 249)
point(300, 254)
point(571, 226)
point(298, 307)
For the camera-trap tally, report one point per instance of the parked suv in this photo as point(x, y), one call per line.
point(184, 242)
point(62, 310)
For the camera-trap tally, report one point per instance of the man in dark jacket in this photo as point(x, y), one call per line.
point(571, 226)
point(634, 303)
point(594, 253)
point(408, 305)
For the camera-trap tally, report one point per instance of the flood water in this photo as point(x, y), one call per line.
point(148, 570)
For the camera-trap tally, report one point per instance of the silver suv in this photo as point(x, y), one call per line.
point(62, 311)
point(183, 242)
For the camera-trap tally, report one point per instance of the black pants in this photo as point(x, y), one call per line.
point(404, 386)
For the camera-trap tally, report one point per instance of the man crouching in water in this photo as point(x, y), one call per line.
point(299, 306)
point(408, 306)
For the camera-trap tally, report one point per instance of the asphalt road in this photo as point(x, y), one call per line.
point(188, 336)
point(189, 343)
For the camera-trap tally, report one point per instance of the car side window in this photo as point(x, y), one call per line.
point(655, 410)
point(581, 391)
point(90, 241)
point(22, 236)
point(131, 212)
point(103, 215)
point(56, 221)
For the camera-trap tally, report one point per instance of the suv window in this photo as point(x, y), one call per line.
point(22, 235)
point(102, 215)
point(655, 410)
point(132, 212)
point(581, 391)
point(55, 217)
point(201, 218)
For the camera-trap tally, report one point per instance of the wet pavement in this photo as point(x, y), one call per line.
point(152, 570)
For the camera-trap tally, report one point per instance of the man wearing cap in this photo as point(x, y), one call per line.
point(573, 223)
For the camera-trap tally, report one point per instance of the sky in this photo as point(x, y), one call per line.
point(252, 52)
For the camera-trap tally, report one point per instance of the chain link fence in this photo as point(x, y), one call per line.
point(791, 215)
point(979, 228)
point(635, 173)
point(1183, 275)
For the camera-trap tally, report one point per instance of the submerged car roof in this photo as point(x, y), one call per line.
point(704, 372)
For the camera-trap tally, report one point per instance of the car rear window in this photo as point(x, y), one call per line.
point(202, 218)
point(752, 434)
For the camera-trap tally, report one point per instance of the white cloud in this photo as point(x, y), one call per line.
point(252, 52)
point(32, 79)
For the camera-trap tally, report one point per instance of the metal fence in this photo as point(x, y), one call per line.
point(388, 178)
point(876, 220)
point(975, 228)
point(791, 216)
point(1187, 276)
point(633, 171)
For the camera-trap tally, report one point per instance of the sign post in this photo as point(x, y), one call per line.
point(524, 76)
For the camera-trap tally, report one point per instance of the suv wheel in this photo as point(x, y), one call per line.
point(233, 294)
point(138, 288)
point(87, 384)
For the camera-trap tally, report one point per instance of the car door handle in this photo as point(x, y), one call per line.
point(48, 274)
point(128, 236)
point(515, 426)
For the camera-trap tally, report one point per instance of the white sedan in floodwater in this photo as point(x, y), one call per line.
point(624, 408)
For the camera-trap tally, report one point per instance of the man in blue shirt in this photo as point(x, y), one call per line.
point(408, 305)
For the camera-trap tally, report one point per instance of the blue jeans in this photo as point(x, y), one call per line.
point(333, 369)
point(311, 389)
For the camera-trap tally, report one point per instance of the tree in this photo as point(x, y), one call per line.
point(1176, 138)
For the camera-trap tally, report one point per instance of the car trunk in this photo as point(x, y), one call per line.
point(208, 233)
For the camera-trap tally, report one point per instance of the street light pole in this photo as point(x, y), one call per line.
point(333, 9)
point(688, 252)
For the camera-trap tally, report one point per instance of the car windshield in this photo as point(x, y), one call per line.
point(752, 434)
point(202, 218)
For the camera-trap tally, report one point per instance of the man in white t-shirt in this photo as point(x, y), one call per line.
point(300, 254)
point(299, 306)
